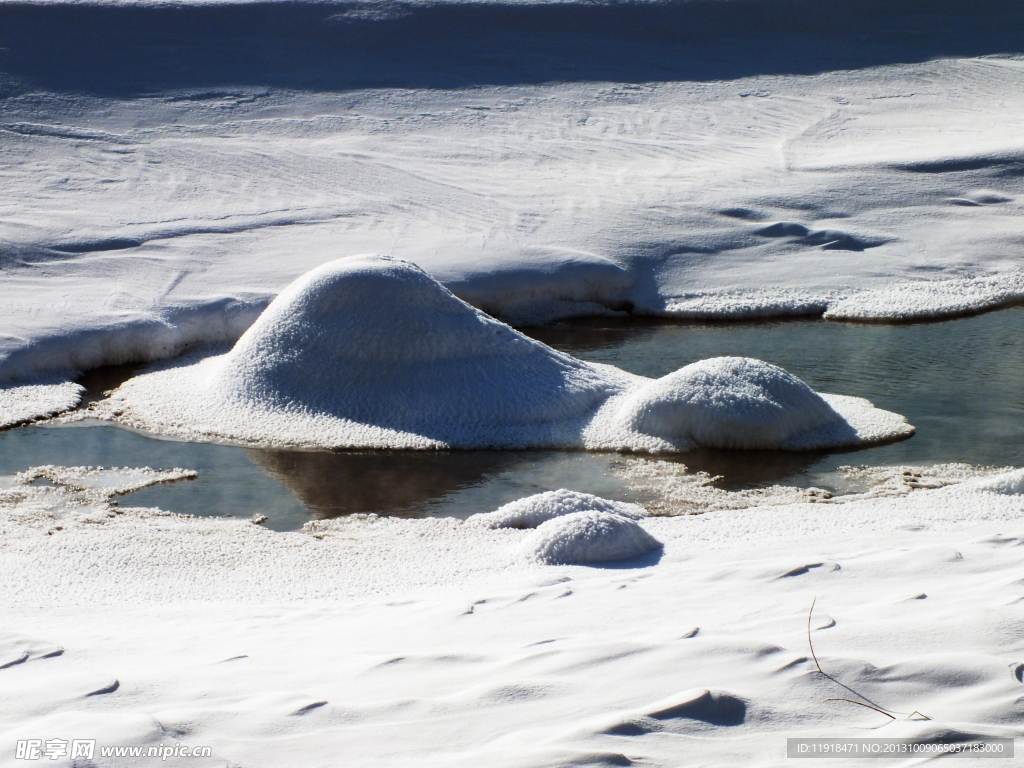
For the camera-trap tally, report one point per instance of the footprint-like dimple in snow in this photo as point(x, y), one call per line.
point(639, 726)
point(826, 239)
point(308, 708)
point(110, 687)
point(803, 569)
point(980, 197)
point(16, 649)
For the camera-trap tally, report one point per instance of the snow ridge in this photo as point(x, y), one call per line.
point(371, 352)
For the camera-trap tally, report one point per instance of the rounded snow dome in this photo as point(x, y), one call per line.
point(376, 340)
point(532, 511)
point(588, 537)
point(372, 352)
point(727, 402)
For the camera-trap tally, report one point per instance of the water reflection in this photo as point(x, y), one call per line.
point(748, 469)
point(385, 482)
point(961, 383)
point(592, 334)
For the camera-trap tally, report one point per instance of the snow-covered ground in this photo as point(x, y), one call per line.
point(377, 641)
point(169, 168)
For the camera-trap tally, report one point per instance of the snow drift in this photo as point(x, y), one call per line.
point(733, 402)
point(589, 537)
point(1007, 484)
point(371, 352)
point(26, 402)
point(532, 511)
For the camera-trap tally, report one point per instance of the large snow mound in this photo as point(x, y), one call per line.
point(532, 511)
point(27, 402)
point(371, 352)
point(589, 537)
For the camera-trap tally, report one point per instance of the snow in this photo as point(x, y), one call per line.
point(923, 300)
point(436, 642)
point(371, 352)
point(171, 168)
point(731, 402)
point(531, 511)
point(573, 528)
point(772, 159)
point(1010, 483)
point(27, 402)
point(588, 537)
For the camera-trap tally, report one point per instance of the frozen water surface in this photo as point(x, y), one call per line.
point(958, 382)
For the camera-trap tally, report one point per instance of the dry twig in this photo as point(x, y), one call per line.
point(870, 704)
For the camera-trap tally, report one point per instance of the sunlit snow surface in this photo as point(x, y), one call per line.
point(25, 402)
point(169, 168)
point(375, 637)
point(371, 352)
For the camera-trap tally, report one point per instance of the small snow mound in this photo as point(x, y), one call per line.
point(582, 538)
point(1009, 484)
point(532, 511)
point(727, 402)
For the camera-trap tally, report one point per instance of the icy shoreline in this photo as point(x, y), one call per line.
point(775, 168)
point(371, 352)
point(525, 299)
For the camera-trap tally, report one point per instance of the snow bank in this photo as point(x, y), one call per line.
point(26, 402)
point(1008, 484)
point(581, 538)
point(371, 352)
point(128, 337)
point(747, 305)
point(538, 285)
point(537, 174)
point(428, 620)
point(930, 299)
point(531, 511)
